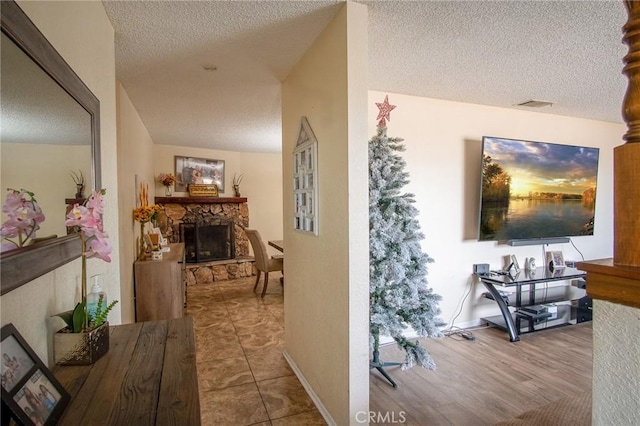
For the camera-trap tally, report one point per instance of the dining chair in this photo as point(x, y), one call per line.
point(264, 263)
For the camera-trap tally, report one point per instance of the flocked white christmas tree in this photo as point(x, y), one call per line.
point(399, 295)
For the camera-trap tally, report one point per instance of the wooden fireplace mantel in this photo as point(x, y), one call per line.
point(200, 200)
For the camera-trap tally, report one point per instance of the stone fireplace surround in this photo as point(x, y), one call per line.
point(176, 210)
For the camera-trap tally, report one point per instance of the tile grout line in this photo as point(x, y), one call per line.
point(227, 301)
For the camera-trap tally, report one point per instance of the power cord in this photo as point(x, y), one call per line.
point(574, 246)
point(457, 331)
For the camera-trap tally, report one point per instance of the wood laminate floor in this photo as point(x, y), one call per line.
point(245, 380)
point(487, 380)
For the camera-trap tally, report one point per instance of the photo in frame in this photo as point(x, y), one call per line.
point(192, 170)
point(510, 262)
point(30, 392)
point(514, 263)
point(555, 260)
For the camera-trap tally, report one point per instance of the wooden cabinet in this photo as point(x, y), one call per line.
point(159, 286)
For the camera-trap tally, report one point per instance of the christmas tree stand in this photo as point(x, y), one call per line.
point(379, 365)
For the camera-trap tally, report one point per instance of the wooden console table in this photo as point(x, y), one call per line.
point(148, 377)
point(160, 291)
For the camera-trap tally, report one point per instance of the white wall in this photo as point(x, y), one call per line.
point(443, 154)
point(135, 158)
point(326, 289)
point(37, 168)
point(82, 34)
point(616, 364)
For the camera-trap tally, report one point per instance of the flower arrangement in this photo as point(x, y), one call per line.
point(87, 218)
point(24, 217)
point(144, 214)
point(167, 179)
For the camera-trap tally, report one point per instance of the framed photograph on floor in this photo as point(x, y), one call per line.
point(30, 392)
point(192, 170)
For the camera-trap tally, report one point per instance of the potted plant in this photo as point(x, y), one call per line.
point(236, 184)
point(77, 344)
point(86, 338)
point(78, 179)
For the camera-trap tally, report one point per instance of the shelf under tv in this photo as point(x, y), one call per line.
point(566, 315)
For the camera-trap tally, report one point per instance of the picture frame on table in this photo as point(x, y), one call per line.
point(514, 263)
point(555, 260)
point(31, 394)
point(198, 171)
point(510, 263)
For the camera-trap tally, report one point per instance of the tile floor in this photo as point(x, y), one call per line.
point(242, 374)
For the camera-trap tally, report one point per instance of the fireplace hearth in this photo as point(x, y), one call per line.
point(208, 240)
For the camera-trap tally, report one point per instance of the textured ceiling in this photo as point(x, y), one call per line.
point(492, 53)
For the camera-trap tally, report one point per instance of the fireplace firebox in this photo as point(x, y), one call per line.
point(208, 240)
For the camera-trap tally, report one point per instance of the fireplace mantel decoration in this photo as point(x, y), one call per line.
point(190, 170)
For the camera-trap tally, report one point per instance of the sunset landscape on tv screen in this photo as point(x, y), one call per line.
point(536, 190)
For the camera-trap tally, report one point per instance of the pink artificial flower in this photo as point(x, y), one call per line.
point(89, 218)
point(100, 247)
point(6, 247)
point(95, 204)
point(82, 217)
point(14, 200)
point(9, 230)
point(24, 216)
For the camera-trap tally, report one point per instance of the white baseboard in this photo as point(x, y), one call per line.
point(323, 411)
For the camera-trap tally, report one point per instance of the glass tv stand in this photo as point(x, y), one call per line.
point(537, 305)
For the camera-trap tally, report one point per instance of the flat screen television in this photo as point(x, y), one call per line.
point(536, 190)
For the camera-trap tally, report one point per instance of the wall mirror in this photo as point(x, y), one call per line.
point(50, 127)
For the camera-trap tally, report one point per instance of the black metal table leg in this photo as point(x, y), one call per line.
point(508, 319)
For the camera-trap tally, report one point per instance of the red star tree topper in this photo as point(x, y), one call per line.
point(385, 112)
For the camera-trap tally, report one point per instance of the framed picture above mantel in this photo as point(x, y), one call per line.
point(201, 171)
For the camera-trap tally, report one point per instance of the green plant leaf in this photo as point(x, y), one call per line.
point(101, 316)
point(78, 317)
point(67, 317)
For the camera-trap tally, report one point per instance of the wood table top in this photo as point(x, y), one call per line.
point(148, 377)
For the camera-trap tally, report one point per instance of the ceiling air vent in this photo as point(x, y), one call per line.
point(535, 104)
